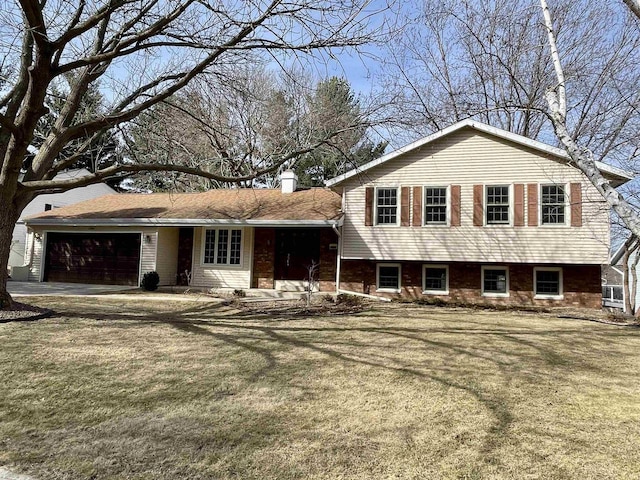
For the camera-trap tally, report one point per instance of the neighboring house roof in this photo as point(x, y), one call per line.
point(315, 206)
point(612, 275)
point(616, 258)
point(617, 175)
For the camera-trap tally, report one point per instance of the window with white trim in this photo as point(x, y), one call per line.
point(388, 277)
point(435, 205)
point(547, 282)
point(497, 205)
point(435, 279)
point(495, 281)
point(552, 204)
point(222, 246)
point(387, 206)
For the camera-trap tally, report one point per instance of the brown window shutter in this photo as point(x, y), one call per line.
point(576, 204)
point(518, 193)
point(417, 207)
point(455, 205)
point(404, 206)
point(478, 208)
point(368, 206)
point(532, 204)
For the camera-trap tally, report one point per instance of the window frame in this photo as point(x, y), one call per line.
point(447, 206)
point(426, 291)
point(214, 264)
point(567, 210)
point(509, 205)
point(389, 290)
point(397, 206)
point(547, 296)
point(495, 294)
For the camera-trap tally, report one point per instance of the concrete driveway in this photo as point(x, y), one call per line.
point(21, 289)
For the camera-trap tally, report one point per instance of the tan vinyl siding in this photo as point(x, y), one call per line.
point(167, 259)
point(36, 264)
point(221, 276)
point(149, 252)
point(469, 158)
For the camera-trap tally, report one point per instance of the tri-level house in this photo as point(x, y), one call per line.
point(471, 213)
point(476, 214)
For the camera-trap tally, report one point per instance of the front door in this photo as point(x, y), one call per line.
point(185, 254)
point(296, 250)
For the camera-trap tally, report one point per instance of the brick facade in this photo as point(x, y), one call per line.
point(328, 260)
point(264, 248)
point(581, 283)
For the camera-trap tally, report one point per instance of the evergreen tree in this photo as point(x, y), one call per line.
point(334, 113)
point(104, 150)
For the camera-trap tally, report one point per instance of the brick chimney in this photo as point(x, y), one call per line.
point(289, 181)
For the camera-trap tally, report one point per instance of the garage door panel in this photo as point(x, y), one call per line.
point(100, 258)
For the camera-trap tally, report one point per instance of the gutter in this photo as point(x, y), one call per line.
point(178, 222)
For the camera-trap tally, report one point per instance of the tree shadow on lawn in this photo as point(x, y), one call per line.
point(518, 353)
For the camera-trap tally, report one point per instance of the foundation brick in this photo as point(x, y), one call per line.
point(581, 283)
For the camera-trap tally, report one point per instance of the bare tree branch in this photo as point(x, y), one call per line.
point(582, 158)
point(634, 6)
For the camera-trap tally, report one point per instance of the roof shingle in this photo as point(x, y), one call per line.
point(314, 204)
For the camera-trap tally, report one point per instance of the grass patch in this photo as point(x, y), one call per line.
point(161, 390)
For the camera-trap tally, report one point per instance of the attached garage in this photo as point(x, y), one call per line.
point(94, 257)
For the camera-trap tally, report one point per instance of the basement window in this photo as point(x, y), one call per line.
point(388, 277)
point(547, 282)
point(435, 279)
point(495, 281)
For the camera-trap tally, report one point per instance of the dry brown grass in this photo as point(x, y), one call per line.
point(128, 389)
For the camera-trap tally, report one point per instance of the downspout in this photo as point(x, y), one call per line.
point(335, 228)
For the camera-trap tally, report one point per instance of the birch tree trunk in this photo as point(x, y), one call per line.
point(581, 157)
point(633, 290)
point(629, 280)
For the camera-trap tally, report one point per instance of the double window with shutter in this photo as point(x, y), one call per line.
point(497, 205)
point(552, 205)
point(386, 206)
point(412, 206)
point(516, 205)
point(435, 206)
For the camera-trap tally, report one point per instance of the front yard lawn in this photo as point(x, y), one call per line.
point(134, 389)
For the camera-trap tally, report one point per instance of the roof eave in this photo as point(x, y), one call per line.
point(177, 222)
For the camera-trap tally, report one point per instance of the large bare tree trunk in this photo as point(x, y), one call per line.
point(54, 45)
point(8, 218)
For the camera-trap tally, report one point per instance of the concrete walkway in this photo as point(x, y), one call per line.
point(124, 292)
point(22, 289)
point(6, 474)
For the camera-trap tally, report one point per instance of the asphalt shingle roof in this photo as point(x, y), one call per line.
point(314, 204)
